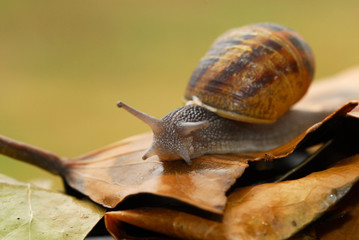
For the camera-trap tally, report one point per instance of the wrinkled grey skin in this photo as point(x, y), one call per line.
point(219, 135)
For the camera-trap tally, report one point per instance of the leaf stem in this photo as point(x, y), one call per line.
point(33, 155)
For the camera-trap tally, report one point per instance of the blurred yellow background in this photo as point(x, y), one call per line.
point(65, 64)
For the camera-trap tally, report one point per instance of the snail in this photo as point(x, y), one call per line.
point(238, 97)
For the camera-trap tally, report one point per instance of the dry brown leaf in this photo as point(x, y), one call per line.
point(286, 149)
point(277, 210)
point(169, 222)
point(267, 211)
point(340, 222)
point(113, 173)
point(332, 92)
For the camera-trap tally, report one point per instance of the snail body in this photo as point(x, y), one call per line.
point(248, 79)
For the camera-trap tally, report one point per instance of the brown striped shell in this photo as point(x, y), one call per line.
point(254, 73)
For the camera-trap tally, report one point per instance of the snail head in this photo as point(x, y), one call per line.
point(172, 138)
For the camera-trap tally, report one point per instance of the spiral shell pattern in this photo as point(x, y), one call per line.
point(254, 73)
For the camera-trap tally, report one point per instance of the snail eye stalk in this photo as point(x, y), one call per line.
point(154, 123)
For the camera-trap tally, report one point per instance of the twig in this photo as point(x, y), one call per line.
point(33, 155)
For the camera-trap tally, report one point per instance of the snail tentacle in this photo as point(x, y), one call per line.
point(186, 128)
point(154, 123)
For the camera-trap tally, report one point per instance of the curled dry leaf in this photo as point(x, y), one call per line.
point(29, 212)
point(111, 174)
point(277, 210)
point(168, 222)
point(332, 92)
point(266, 211)
point(318, 133)
point(340, 222)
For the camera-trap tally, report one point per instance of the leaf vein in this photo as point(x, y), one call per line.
point(29, 196)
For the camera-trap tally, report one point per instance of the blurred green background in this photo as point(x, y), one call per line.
point(65, 64)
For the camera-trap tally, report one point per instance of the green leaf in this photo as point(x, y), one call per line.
point(29, 212)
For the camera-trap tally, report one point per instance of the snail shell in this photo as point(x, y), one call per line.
point(254, 73)
point(250, 75)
